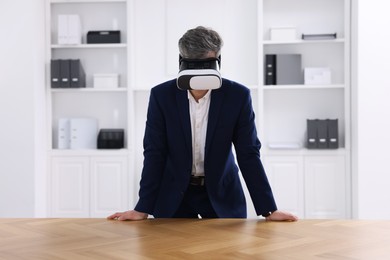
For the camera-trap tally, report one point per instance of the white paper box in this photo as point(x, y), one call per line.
point(317, 76)
point(283, 34)
point(105, 80)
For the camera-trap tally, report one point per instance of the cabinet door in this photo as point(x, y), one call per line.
point(109, 185)
point(325, 185)
point(285, 174)
point(70, 189)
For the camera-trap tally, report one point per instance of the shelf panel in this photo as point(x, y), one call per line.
point(331, 41)
point(83, 90)
point(90, 46)
point(286, 87)
point(85, 1)
point(303, 152)
point(88, 152)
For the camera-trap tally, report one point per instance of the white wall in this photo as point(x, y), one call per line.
point(21, 81)
point(372, 120)
point(22, 152)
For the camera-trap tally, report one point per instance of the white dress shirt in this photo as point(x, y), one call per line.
point(199, 114)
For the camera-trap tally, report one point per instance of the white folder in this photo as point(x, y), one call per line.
point(83, 133)
point(63, 133)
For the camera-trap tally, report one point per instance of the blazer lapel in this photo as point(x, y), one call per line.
point(184, 114)
point(215, 109)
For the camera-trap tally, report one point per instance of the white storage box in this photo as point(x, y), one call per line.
point(317, 76)
point(283, 33)
point(69, 29)
point(106, 80)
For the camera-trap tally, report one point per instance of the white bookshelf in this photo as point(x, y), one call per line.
point(148, 55)
point(283, 109)
point(90, 182)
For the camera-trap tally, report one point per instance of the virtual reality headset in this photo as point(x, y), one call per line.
point(199, 73)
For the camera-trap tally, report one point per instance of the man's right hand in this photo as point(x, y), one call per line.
point(129, 215)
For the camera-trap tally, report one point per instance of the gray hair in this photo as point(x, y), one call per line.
point(198, 42)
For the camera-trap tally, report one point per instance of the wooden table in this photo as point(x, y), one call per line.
point(193, 239)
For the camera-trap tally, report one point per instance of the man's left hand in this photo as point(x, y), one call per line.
point(281, 216)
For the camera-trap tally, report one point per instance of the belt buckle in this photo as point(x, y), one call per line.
point(197, 180)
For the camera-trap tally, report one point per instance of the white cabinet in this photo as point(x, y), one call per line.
point(325, 187)
point(88, 186)
point(312, 186)
point(69, 187)
point(286, 176)
point(109, 185)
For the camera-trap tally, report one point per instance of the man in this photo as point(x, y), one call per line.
point(189, 168)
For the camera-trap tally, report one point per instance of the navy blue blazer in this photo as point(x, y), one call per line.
point(168, 153)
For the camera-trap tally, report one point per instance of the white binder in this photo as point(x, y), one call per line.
point(63, 133)
point(77, 133)
point(83, 133)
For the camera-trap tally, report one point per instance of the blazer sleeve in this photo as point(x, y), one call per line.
point(155, 151)
point(247, 146)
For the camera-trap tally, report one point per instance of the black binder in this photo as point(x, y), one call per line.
point(312, 138)
point(333, 139)
point(322, 131)
point(65, 73)
point(270, 69)
point(55, 73)
point(322, 134)
point(77, 74)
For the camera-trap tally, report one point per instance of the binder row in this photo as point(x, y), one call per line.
point(322, 134)
point(67, 74)
point(283, 69)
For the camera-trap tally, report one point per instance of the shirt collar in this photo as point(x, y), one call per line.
point(207, 96)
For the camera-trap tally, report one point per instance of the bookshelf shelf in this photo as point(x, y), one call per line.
point(90, 46)
point(88, 90)
point(292, 87)
point(303, 42)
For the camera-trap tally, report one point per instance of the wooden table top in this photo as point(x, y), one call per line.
point(193, 239)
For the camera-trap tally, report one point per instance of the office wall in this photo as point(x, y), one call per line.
point(22, 152)
point(21, 79)
point(372, 110)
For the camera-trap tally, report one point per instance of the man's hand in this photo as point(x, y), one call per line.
point(281, 216)
point(129, 215)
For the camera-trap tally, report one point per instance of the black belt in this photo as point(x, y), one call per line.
point(197, 180)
